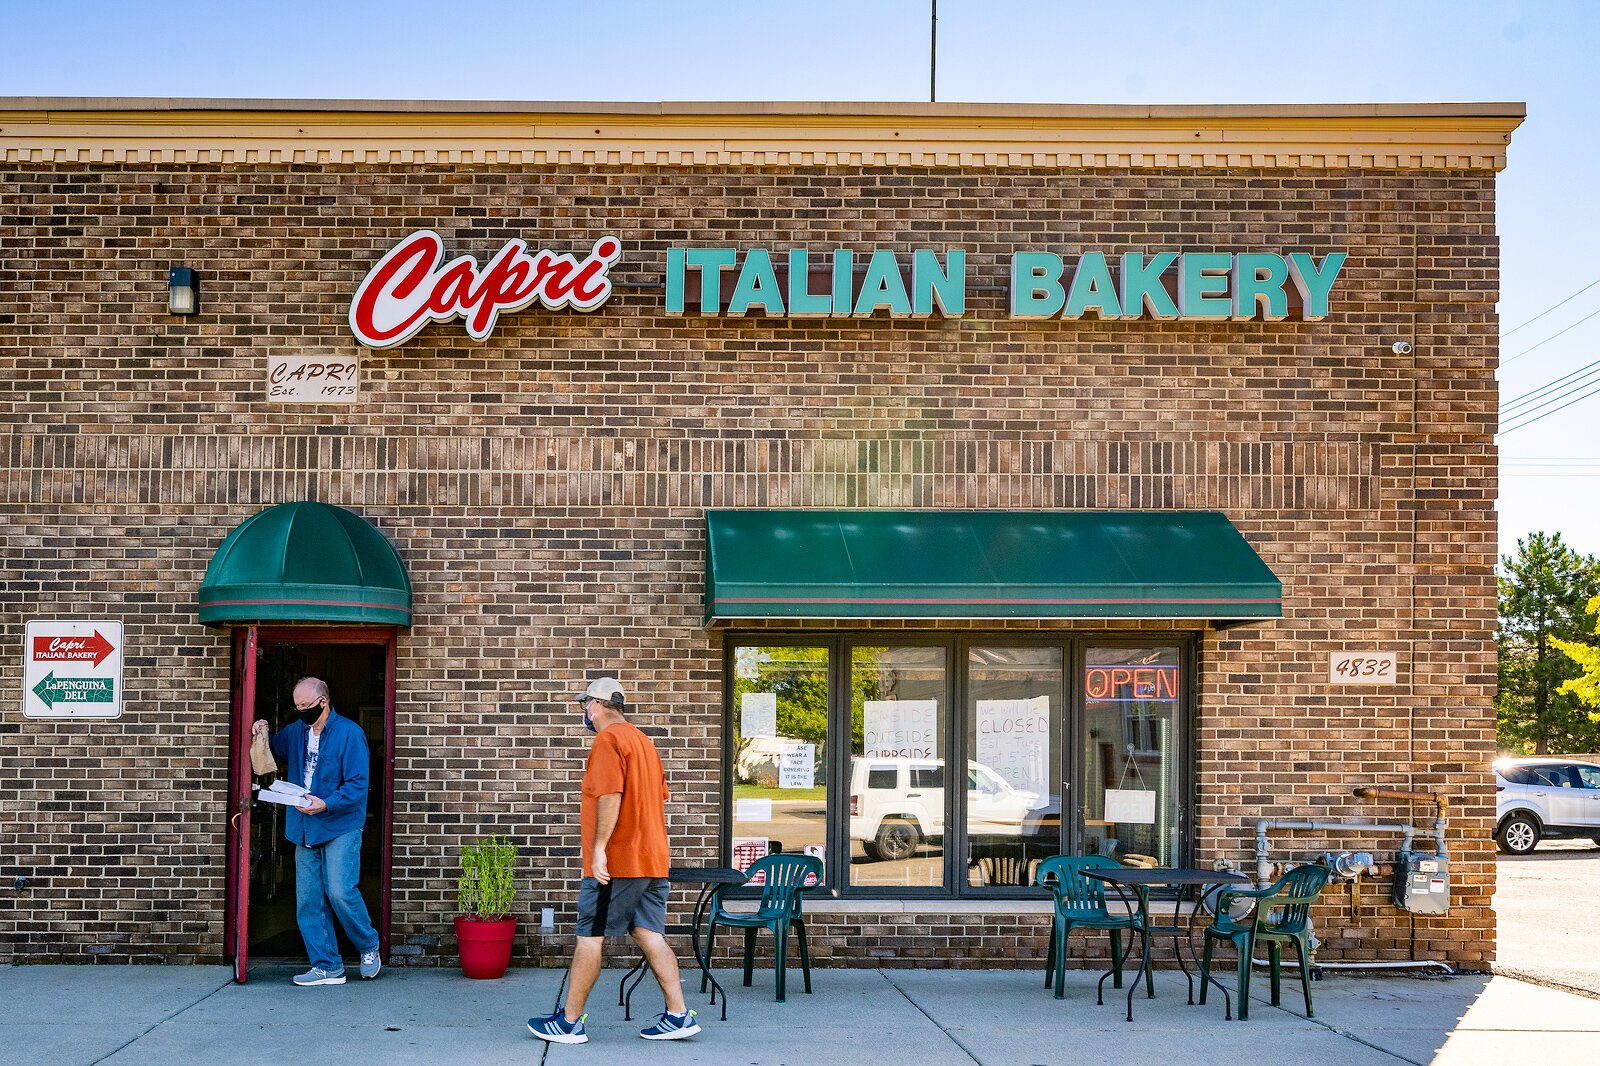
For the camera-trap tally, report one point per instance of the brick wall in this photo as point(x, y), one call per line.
point(546, 490)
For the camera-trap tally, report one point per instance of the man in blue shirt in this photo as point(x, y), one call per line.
point(326, 754)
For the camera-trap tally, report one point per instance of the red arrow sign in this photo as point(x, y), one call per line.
point(72, 649)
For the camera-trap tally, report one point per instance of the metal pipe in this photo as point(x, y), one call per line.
point(1441, 820)
point(1371, 792)
point(1264, 865)
point(1386, 965)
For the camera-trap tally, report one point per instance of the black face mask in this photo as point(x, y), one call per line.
point(310, 715)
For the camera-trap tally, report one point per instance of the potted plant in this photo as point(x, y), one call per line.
point(485, 928)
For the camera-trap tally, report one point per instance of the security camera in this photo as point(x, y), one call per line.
point(1401, 347)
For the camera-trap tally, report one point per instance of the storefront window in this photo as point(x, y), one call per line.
point(780, 744)
point(898, 766)
point(1013, 788)
point(842, 746)
point(1132, 698)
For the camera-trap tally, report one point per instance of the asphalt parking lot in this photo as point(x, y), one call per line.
point(1548, 906)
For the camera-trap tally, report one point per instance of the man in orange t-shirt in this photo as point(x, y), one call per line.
point(624, 886)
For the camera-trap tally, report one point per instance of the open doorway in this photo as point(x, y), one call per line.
point(358, 667)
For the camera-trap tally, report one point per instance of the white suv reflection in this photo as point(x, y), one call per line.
point(896, 804)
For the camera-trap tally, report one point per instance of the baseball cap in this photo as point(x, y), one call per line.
point(605, 689)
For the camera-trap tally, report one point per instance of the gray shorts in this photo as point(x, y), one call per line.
point(622, 905)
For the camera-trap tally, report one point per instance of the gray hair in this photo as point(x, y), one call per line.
point(315, 684)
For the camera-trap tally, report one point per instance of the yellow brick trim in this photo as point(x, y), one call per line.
point(1408, 136)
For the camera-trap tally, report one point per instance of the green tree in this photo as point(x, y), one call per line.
point(1586, 686)
point(1543, 592)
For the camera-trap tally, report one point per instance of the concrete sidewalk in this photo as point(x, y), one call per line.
point(124, 1015)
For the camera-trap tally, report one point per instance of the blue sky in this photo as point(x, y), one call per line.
point(989, 50)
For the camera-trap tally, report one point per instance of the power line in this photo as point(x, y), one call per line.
point(1577, 386)
point(1591, 391)
point(1509, 458)
point(1553, 336)
point(1527, 397)
point(1547, 310)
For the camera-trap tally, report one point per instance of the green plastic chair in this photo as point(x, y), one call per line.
point(1080, 904)
point(1282, 913)
point(786, 877)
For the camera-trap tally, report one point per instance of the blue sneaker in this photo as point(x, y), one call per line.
point(672, 1027)
point(558, 1030)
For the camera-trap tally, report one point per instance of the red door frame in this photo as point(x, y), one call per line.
point(247, 639)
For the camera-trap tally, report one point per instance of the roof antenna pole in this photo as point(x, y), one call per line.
point(933, 55)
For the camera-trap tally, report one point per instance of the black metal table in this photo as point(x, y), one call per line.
point(708, 878)
point(1141, 881)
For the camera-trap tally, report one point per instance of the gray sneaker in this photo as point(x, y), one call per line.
point(370, 964)
point(318, 976)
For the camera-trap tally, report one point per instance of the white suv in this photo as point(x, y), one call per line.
point(1538, 798)
point(896, 804)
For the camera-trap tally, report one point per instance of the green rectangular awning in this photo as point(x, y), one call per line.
point(984, 564)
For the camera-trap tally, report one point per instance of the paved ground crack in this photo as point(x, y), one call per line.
point(163, 1021)
point(1347, 1035)
point(953, 1039)
point(561, 997)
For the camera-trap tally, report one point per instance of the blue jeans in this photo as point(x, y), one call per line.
point(323, 875)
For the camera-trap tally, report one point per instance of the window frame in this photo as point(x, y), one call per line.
point(1074, 646)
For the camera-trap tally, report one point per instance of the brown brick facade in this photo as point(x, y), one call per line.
point(547, 490)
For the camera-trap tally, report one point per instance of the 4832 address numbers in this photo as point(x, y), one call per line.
point(1362, 668)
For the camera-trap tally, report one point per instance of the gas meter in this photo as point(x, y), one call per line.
point(1421, 882)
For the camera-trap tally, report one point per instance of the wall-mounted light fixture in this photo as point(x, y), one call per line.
point(183, 292)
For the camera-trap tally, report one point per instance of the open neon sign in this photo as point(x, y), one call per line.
point(1131, 683)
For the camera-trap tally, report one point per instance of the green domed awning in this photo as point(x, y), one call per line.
point(306, 562)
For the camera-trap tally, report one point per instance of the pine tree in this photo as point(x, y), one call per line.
point(1544, 590)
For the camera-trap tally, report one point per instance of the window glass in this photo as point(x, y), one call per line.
point(780, 739)
point(897, 714)
point(1130, 799)
point(1552, 776)
point(1588, 776)
point(1013, 782)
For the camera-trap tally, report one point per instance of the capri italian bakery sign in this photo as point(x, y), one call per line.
point(415, 284)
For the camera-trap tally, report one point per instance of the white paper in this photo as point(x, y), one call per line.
point(797, 766)
point(819, 851)
point(284, 793)
point(752, 810)
point(758, 714)
point(900, 729)
point(1014, 742)
point(1130, 806)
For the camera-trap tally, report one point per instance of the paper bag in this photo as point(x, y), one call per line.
point(261, 760)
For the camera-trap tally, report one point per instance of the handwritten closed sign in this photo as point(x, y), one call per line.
point(1014, 742)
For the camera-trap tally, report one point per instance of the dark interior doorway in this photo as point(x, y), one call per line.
point(358, 685)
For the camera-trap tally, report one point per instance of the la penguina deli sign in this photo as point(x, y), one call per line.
point(413, 284)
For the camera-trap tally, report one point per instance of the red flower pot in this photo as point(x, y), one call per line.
point(485, 945)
